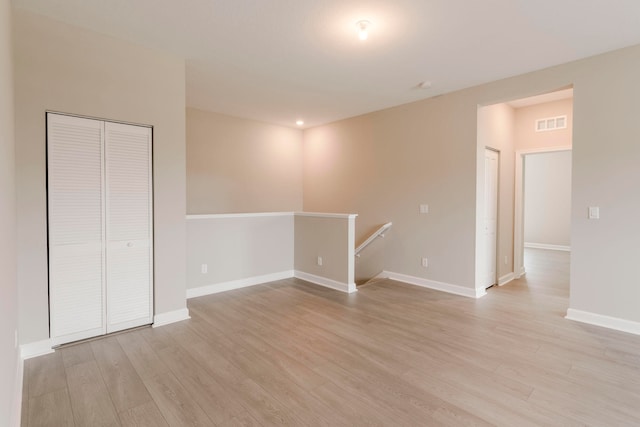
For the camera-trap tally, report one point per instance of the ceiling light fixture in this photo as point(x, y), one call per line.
point(299, 122)
point(363, 29)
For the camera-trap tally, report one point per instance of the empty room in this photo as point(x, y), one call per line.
point(224, 213)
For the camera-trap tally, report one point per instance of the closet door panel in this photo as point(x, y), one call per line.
point(128, 226)
point(75, 215)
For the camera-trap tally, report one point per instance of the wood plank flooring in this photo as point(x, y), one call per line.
point(291, 353)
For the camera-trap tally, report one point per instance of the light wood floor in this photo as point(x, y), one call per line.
point(391, 354)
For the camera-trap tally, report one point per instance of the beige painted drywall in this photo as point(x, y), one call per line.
point(238, 247)
point(547, 198)
point(384, 164)
point(526, 138)
point(240, 165)
point(9, 358)
point(328, 238)
point(64, 68)
point(496, 125)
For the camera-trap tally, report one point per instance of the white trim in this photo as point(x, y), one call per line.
point(170, 317)
point(521, 273)
point(265, 214)
point(547, 246)
point(432, 284)
point(326, 215)
point(34, 349)
point(351, 259)
point(17, 401)
point(603, 321)
point(509, 277)
point(238, 215)
point(323, 281)
point(237, 284)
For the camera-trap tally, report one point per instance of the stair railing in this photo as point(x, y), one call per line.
point(378, 233)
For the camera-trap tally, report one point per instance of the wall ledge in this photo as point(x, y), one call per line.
point(170, 317)
point(609, 322)
point(327, 283)
point(547, 246)
point(267, 214)
point(435, 285)
point(326, 215)
point(237, 215)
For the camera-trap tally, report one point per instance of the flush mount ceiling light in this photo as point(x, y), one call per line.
point(299, 122)
point(363, 29)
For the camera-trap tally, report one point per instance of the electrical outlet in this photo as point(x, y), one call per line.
point(425, 262)
point(204, 268)
point(319, 261)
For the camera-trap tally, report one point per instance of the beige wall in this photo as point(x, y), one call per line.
point(238, 247)
point(64, 68)
point(496, 124)
point(547, 198)
point(385, 164)
point(527, 138)
point(382, 165)
point(240, 165)
point(331, 238)
point(9, 394)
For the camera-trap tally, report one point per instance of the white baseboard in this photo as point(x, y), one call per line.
point(170, 317)
point(35, 349)
point(237, 284)
point(604, 321)
point(17, 401)
point(509, 277)
point(328, 283)
point(438, 286)
point(546, 246)
point(520, 273)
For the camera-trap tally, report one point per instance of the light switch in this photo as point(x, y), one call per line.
point(424, 209)
point(594, 212)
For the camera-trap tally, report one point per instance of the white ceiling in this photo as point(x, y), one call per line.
point(283, 60)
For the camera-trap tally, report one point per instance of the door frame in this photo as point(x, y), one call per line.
point(518, 220)
point(497, 231)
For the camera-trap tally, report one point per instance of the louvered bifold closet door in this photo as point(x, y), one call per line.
point(75, 215)
point(129, 226)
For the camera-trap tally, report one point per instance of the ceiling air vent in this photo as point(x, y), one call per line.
point(551, 123)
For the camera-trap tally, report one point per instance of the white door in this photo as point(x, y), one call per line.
point(100, 227)
point(128, 226)
point(491, 163)
point(75, 194)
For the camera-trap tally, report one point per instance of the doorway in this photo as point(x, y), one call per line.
point(523, 182)
point(537, 124)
